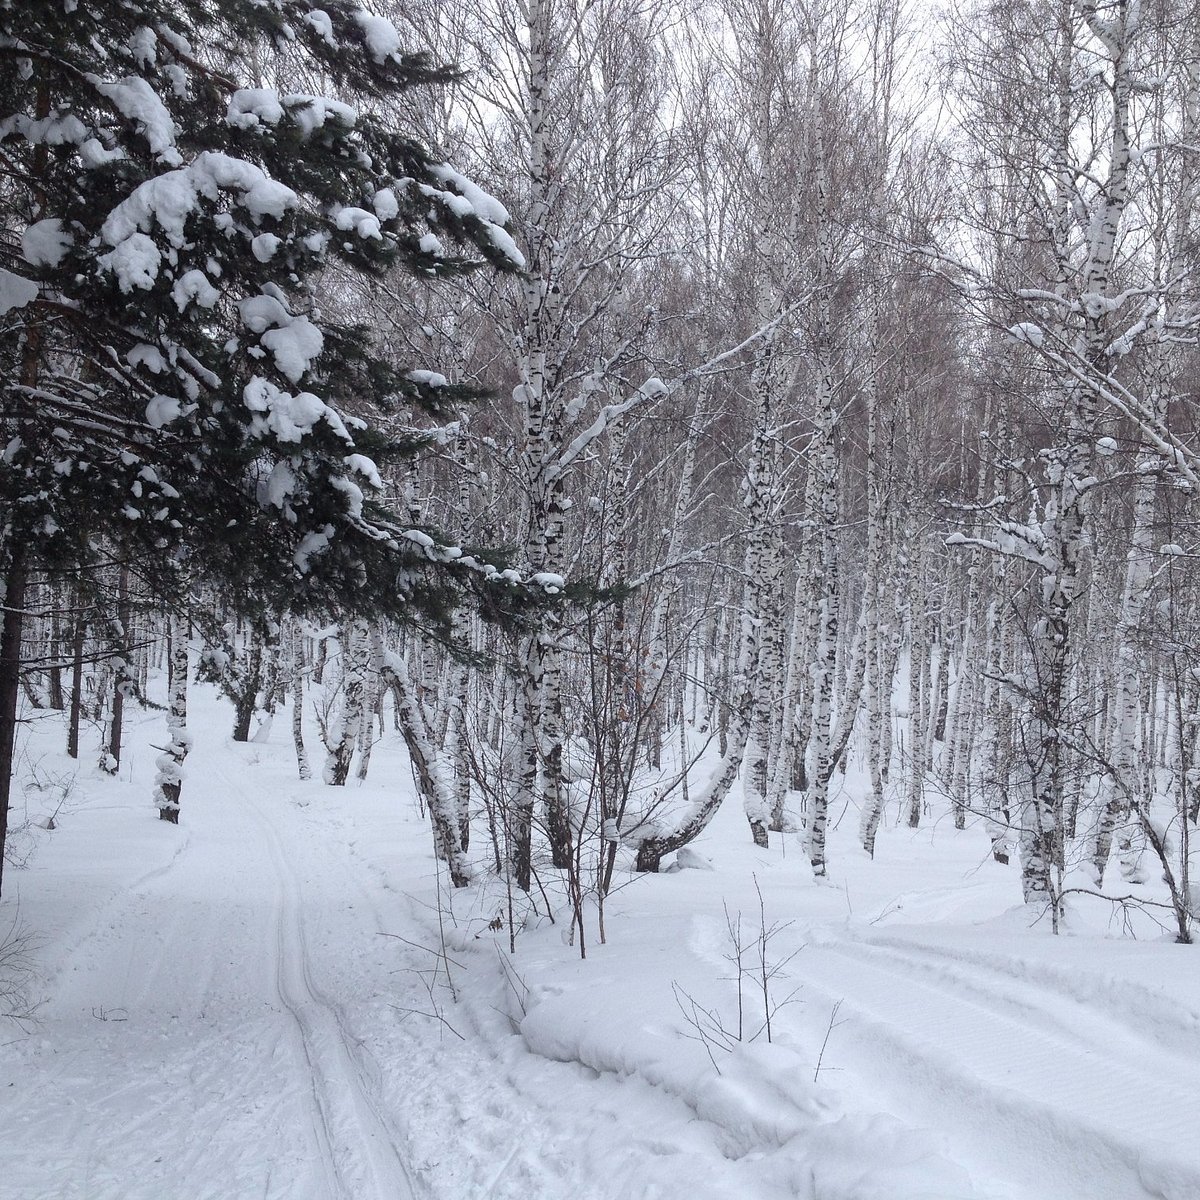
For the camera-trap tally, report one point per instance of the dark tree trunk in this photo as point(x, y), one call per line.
point(54, 686)
point(10, 681)
point(76, 684)
point(247, 699)
point(121, 677)
point(649, 857)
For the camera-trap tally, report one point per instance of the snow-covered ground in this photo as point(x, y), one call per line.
point(256, 1004)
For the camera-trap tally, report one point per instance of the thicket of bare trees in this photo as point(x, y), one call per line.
point(853, 375)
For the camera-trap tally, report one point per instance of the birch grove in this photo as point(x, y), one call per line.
point(837, 431)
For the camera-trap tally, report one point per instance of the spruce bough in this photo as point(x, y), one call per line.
point(171, 388)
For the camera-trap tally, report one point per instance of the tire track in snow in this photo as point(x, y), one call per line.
point(343, 1100)
point(1041, 1091)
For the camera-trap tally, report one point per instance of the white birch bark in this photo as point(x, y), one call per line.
point(429, 767)
point(763, 569)
point(296, 672)
point(347, 725)
point(825, 464)
point(168, 782)
point(1120, 786)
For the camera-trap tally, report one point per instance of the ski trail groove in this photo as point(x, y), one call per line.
point(1128, 1010)
point(1043, 1020)
point(1012, 1072)
point(343, 1099)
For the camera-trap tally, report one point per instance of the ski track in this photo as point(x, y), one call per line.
point(1130, 1010)
point(85, 931)
point(353, 1139)
point(186, 1049)
point(1055, 1091)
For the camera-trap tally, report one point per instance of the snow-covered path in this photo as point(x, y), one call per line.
point(192, 1034)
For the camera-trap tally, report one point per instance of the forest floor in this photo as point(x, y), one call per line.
point(278, 998)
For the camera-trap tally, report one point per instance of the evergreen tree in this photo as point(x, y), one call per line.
point(170, 386)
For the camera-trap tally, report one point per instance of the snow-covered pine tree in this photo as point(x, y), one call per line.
point(167, 378)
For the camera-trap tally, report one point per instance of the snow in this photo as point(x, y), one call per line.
point(470, 200)
point(549, 582)
point(360, 464)
point(484, 205)
point(264, 246)
point(318, 18)
point(381, 36)
point(313, 112)
point(54, 130)
point(504, 243)
point(311, 545)
point(281, 483)
point(251, 107)
point(363, 223)
point(255, 1004)
point(352, 492)
point(15, 291)
point(259, 313)
point(150, 357)
point(143, 45)
point(93, 154)
point(162, 410)
point(294, 341)
point(294, 346)
point(167, 201)
point(385, 204)
point(194, 285)
point(137, 101)
point(429, 378)
point(134, 262)
point(1028, 333)
point(45, 243)
point(288, 417)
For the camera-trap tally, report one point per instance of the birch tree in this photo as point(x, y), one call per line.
point(1076, 134)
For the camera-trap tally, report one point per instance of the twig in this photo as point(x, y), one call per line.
point(833, 1024)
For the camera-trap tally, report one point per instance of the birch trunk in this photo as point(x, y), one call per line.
point(297, 681)
point(343, 736)
point(168, 783)
point(428, 767)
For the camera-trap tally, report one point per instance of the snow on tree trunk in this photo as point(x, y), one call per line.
point(919, 699)
point(878, 690)
point(763, 569)
point(79, 631)
point(960, 745)
point(428, 766)
point(247, 701)
point(825, 465)
point(372, 702)
point(168, 783)
point(10, 677)
point(1121, 784)
point(345, 728)
point(1070, 463)
point(296, 676)
point(110, 755)
point(784, 766)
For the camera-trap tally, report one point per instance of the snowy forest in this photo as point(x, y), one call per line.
point(600, 598)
